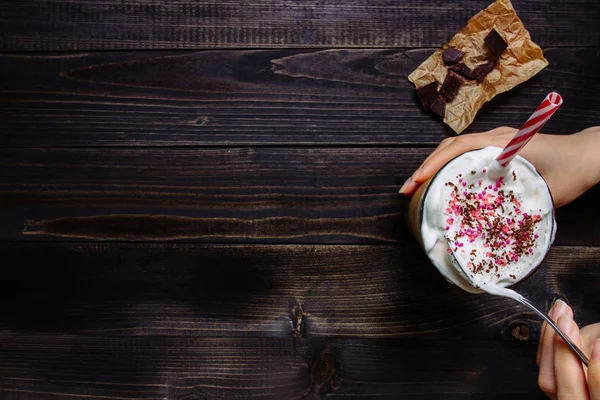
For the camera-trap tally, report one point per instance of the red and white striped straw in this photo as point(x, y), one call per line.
point(537, 120)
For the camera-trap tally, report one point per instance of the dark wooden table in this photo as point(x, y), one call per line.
point(198, 199)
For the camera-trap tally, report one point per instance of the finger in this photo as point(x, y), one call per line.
point(452, 147)
point(554, 312)
point(410, 186)
point(458, 145)
point(594, 372)
point(546, 378)
point(431, 166)
point(568, 370)
point(589, 334)
point(538, 355)
point(444, 143)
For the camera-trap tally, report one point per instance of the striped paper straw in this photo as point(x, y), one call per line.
point(537, 120)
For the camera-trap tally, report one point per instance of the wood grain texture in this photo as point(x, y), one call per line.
point(274, 291)
point(359, 96)
point(248, 195)
point(71, 367)
point(152, 24)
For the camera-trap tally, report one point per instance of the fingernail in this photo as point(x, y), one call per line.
point(405, 184)
point(565, 323)
point(558, 309)
point(596, 350)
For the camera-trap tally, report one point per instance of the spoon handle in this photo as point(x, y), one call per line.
point(515, 296)
point(568, 341)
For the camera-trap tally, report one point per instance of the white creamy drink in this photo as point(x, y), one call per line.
point(499, 227)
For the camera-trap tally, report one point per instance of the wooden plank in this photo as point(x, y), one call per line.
point(247, 195)
point(275, 291)
point(60, 25)
point(294, 97)
point(69, 367)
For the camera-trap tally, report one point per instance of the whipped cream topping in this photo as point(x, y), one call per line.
point(498, 224)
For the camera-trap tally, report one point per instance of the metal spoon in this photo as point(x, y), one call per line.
point(511, 294)
point(568, 341)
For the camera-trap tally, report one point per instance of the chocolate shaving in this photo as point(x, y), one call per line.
point(439, 106)
point(451, 85)
point(495, 43)
point(452, 56)
point(427, 94)
point(463, 71)
point(481, 71)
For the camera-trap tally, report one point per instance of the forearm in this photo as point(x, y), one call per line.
point(587, 144)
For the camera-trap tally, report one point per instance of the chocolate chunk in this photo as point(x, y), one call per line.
point(463, 71)
point(452, 56)
point(451, 85)
point(439, 106)
point(428, 94)
point(481, 71)
point(495, 43)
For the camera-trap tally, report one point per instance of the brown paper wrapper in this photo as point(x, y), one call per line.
point(519, 62)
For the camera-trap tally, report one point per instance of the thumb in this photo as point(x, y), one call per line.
point(594, 372)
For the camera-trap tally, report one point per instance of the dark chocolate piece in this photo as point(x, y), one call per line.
point(481, 71)
point(495, 43)
point(463, 71)
point(427, 94)
point(452, 56)
point(451, 85)
point(439, 106)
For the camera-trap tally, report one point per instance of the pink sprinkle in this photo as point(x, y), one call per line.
point(449, 250)
point(525, 214)
point(479, 183)
point(536, 236)
point(447, 228)
point(464, 183)
point(484, 170)
point(465, 193)
point(530, 250)
point(460, 244)
point(495, 189)
point(490, 186)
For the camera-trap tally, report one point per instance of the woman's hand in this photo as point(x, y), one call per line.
point(569, 163)
point(562, 376)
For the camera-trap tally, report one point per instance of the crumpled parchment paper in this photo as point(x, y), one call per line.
point(519, 62)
